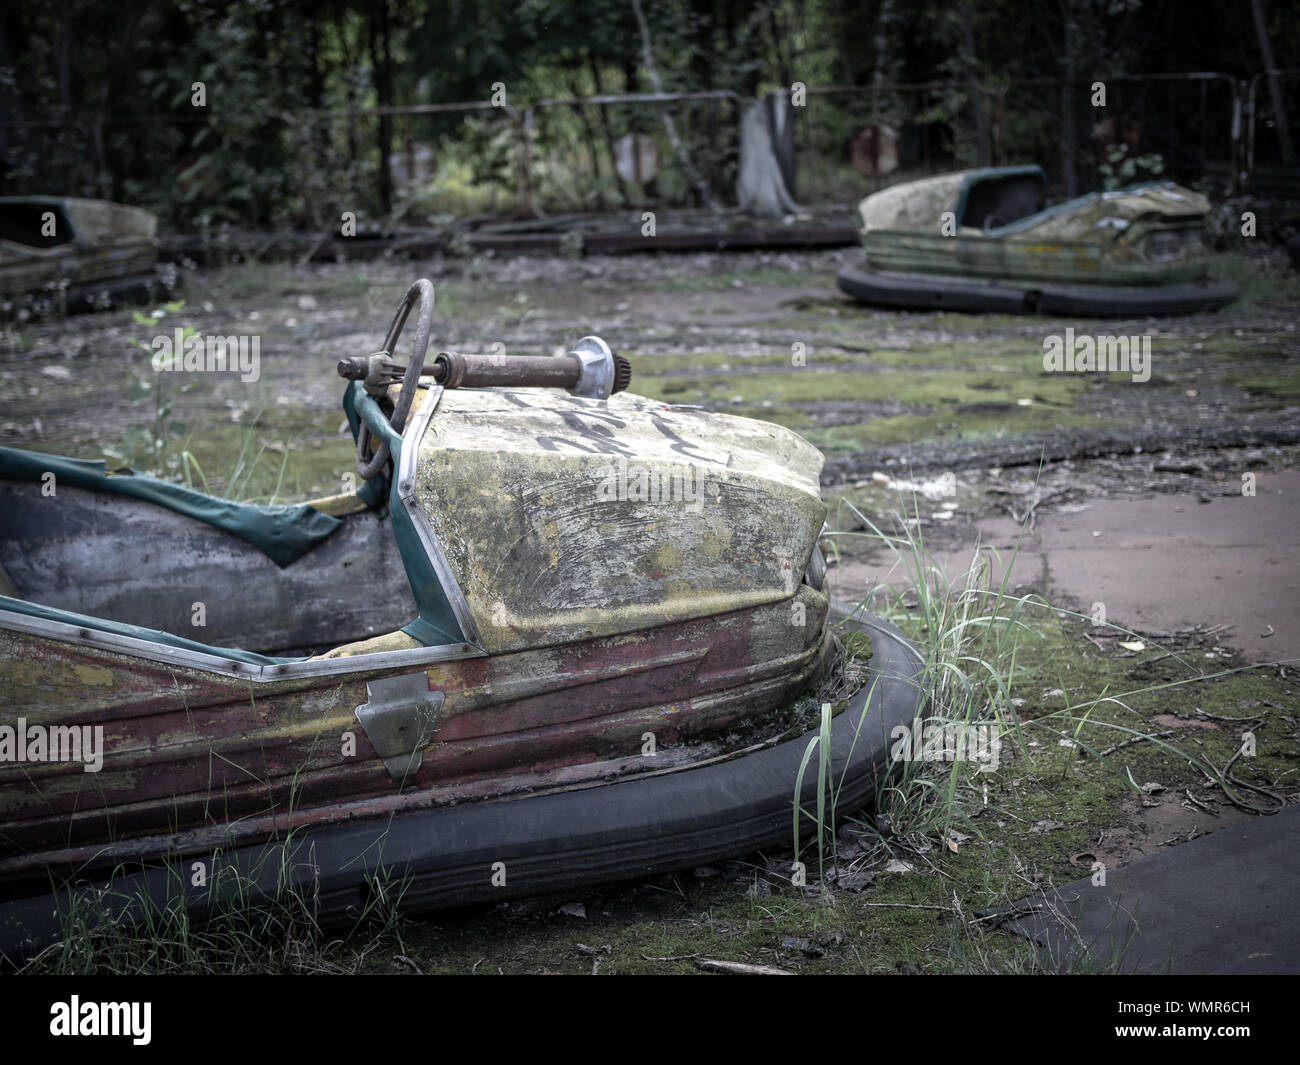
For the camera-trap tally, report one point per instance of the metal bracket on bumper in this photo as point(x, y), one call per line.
point(400, 719)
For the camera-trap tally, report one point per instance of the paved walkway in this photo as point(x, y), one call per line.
point(1222, 904)
point(1158, 564)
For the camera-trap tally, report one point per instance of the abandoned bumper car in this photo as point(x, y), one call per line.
point(983, 240)
point(559, 636)
point(79, 254)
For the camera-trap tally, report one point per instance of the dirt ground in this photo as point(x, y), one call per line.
point(1173, 504)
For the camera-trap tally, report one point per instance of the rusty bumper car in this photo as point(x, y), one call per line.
point(85, 254)
point(558, 636)
point(984, 240)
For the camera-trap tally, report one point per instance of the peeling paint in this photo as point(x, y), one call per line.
point(196, 751)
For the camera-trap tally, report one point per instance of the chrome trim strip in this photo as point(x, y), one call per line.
point(411, 441)
point(228, 667)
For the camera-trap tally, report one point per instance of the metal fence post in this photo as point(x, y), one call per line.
point(1243, 135)
point(525, 192)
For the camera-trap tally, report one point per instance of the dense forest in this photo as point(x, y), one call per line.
point(282, 112)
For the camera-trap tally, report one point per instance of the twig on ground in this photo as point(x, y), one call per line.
point(1228, 776)
point(738, 968)
point(1219, 717)
point(315, 247)
point(1225, 779)
point(1136, 739)
point(1009, 915)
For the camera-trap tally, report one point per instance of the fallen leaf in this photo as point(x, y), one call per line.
point(1133, 645)
point(896, 866)
point(804, 946)
point(858, 880)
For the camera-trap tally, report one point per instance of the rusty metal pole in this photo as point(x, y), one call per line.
point(1240, 172)
point(591, 370)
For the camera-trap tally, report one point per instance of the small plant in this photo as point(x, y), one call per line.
point(152, 443)
point(571, 245)
point(821, 745)
point(1121, 169)
point(977, 639)
point(119, 930)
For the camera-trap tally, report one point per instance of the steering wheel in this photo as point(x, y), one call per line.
point(421, 292)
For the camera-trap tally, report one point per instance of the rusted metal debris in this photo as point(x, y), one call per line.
point(452, 369)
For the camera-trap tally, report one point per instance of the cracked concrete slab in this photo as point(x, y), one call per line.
point(1161, 563)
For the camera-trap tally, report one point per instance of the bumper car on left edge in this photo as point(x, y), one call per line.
point(553, 640)
point(87, 254)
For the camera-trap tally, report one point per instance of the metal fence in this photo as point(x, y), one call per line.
point(671, 149)
point(564, 154)
point(1265, 167)
point(1203, 128)
point(1179, 125)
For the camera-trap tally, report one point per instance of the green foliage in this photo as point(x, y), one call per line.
point(151, 446)
point(104, 95)
point(1121, 169)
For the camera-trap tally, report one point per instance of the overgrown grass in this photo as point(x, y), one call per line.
point(220, 911)
point(244, 928)
point(1260, 282)
point(974, 634)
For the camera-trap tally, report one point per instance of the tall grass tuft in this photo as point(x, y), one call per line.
point(970, 629)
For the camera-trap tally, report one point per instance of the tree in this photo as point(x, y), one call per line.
point(1274, 83)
